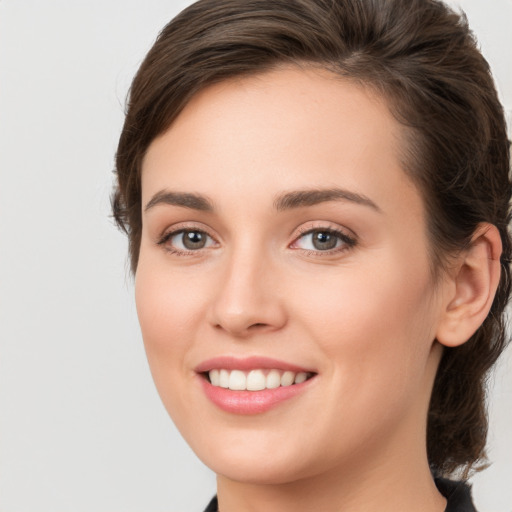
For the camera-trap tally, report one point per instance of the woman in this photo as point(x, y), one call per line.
point(316, 196)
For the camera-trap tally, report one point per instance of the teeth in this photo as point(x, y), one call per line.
point(300, 377)
point(224, 379)
point(287, 379)
point(273, 379)
point(215, 378)
point(237, 380)
point(255, 380)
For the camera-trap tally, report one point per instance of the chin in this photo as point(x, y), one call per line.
point(249, 471)
point(261, 463)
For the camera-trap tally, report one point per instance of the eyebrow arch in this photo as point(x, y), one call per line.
point(184, 199)
point(286, 201)
point(310, 197)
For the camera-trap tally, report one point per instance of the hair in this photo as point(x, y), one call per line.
point(423, 59)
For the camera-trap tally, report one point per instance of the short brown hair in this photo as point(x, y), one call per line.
point(422, 57)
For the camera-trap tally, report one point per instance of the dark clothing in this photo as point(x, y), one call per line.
point(458, 495)
point(212, 506)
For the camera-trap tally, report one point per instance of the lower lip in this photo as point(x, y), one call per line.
point(251, 402)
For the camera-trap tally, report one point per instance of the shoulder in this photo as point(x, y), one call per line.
point(457, 494)
point(212, 506)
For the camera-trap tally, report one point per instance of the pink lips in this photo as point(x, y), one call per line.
point(249, 402)
point(247, 364)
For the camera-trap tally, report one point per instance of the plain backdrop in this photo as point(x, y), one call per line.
point(81, 426)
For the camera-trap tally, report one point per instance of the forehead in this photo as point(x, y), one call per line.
point(285, 129)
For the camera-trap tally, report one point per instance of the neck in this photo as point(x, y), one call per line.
point(383, 487)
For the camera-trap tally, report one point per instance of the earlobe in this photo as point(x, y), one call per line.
point(474, 283)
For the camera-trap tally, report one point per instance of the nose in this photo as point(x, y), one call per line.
point(248, 296)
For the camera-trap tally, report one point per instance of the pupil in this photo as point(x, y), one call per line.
point(193, 240)
point(324, 240)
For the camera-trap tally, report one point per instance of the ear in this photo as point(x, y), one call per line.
point(472, 287)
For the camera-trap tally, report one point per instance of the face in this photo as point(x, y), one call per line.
point(283, 288)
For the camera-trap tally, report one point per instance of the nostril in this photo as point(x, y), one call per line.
point(257, 325)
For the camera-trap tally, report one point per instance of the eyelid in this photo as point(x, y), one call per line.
point(348, 238)
point(326, 226)
point(184, 226)
point(176, 229)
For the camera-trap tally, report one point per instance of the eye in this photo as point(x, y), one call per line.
point(185, 241)
point(324, 240)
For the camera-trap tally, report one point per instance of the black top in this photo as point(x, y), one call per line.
point(458, 495)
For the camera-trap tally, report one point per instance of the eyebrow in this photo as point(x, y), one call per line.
point(184, 199)
point(286, 201)
point(310, 197)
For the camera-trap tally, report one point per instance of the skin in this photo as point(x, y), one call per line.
point(365, 318)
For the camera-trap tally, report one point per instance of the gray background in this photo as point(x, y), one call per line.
point(81, 426)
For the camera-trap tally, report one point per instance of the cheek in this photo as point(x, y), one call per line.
point(168, 301)
point(374, 331)
point(168, 308)
point(374, 323)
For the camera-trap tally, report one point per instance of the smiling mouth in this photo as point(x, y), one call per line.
point(255, 380)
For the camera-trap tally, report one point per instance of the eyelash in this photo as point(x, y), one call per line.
point(347, 241)
point(167, 236)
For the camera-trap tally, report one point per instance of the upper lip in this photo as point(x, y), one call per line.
point(247, 364)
